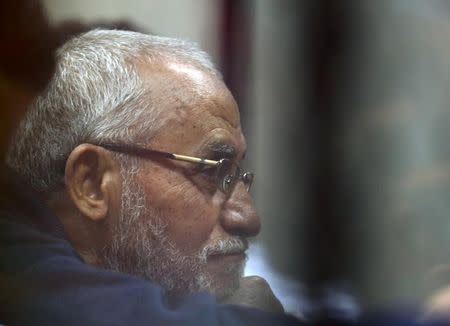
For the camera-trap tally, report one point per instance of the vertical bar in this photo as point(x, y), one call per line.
point(236, 48)
point(329, 254)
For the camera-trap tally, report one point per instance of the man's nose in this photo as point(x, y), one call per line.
point(239, 215)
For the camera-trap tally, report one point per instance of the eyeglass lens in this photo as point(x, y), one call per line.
point(229, 173)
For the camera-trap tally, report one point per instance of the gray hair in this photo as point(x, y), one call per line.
point(95, 95)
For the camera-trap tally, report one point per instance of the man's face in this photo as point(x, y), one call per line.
point(176, 227)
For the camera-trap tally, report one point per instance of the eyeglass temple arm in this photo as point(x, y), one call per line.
point(145, 152)
point(194, 159)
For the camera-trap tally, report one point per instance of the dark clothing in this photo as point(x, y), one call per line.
point(43, 281)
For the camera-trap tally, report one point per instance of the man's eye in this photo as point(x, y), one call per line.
point(209, 171)
point(206, 177)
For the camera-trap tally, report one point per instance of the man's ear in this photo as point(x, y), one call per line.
point(92, 179)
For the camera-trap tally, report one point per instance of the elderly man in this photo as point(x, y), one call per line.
point(135, 147)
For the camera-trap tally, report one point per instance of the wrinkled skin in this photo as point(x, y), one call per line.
point(200, 111)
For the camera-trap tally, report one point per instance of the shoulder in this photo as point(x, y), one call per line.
point(45, 282)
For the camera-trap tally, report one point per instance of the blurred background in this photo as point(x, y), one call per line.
point(345, 109)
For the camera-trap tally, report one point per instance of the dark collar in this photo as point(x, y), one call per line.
point(20, 203)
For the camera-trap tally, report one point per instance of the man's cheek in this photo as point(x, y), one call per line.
point(190, 203)
point(193, 226)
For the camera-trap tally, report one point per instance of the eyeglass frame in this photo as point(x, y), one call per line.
point(246, 177)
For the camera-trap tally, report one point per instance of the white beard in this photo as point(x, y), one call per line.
point(140, 247)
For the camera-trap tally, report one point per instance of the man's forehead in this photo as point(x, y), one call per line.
point(182, 90)
point(196, 109)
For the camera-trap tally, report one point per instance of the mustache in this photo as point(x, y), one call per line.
point(225, 247)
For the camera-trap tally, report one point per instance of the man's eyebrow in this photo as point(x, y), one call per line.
point(222, 150)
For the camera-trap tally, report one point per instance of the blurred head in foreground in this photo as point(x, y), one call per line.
point(26, 60)
point(99, 144)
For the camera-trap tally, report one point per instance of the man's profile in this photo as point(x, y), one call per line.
point(135, 146)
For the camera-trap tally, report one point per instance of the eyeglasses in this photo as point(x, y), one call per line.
point(227, 173)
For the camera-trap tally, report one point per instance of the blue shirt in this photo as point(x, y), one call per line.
point(43, 280)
